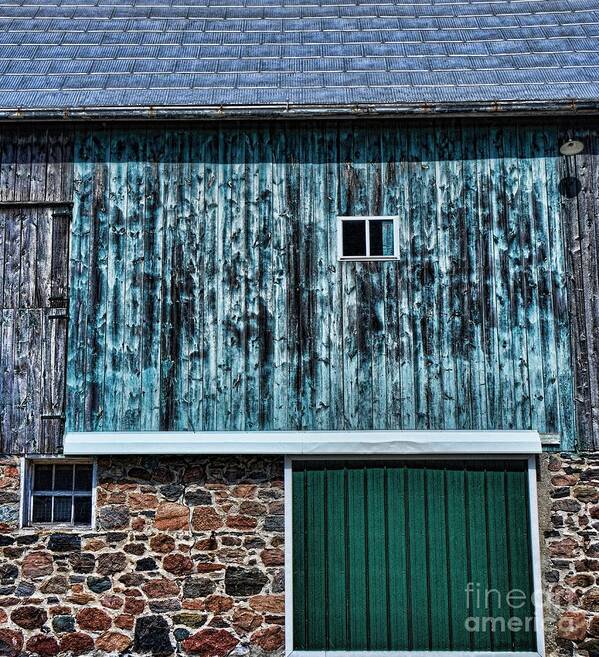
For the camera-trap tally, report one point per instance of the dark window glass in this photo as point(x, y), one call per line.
point(83, 510)
point(354, 238)
point(62, 508)
point(42, 508)
point(63, 477)
point(381, 237)
point(42, 479)
point(83, 477)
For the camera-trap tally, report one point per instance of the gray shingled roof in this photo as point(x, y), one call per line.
point(100, 54)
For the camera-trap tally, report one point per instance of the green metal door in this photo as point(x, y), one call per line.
point(412, 556)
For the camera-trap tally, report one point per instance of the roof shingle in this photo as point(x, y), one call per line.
point(58, 55)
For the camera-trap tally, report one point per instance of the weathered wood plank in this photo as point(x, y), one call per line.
point(249, 321)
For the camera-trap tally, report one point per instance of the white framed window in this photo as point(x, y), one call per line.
point(368, 238)
point(59, 492)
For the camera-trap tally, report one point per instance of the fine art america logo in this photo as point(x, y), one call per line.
point(493, 610)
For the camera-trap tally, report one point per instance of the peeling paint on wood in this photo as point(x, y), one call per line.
point(206, 291)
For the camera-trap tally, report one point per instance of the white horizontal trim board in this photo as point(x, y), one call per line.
point(304, 443)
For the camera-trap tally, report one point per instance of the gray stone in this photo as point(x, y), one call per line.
point(152, 636)
point(172, 492)
point(25, 590)
point(8, 573)
point(9, 513)
point(274, 523)
point(98, 584)
point(198, 587)
point(164, 606)
point(84, 562)
point(64, 543)
point(63, 624)
point(244, 581)
point(198, 498)
point(113, 517)
point(146, 564)
point(181, 633)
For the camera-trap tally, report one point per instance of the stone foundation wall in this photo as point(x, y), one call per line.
point(187, 556)
point(569, 505)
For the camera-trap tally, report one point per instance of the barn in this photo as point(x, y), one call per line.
point(299, 317)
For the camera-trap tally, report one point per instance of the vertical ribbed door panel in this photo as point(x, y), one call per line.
point(412, 556)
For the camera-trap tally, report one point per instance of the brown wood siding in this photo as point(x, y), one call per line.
point(579, 187)
point(36, 181)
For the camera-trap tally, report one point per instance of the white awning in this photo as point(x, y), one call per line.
point(293, 443)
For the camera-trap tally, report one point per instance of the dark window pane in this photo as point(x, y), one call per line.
point(42, 479)
point(62, 509)
point(83, 477)
point(63, 477)
point(381, 237)
point(42, 508)
point(83, 510)
point(354, 238)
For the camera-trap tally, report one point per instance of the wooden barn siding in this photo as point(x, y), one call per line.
point(579, 179)
point(206, 292)
point(36, 175)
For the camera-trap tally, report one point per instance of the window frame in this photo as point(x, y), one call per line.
point(28, 464)
point(535, 550)
point(367, 219)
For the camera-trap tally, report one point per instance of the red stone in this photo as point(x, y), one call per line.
point(113, 642)
point(273, 557)
point(11, 643)
point(160, 588)
point(269, 638)
point(274, 604)
point(134, 606)
point(43, 645)
point(178, 564)
point(252, 508)
point(241, 522)
point(567, 547)
point(246, 620)
point(209, 567)
point(112, 602)
point(205, 518)
point(93, 619)
point(77, 643)
point(218, 603)
point(29, 617)
point(244, 490)
point(37, 564)
point(172, 516)
point(142, 501)
point(138, 523)
point(124, 621)
point(572, 625)
point(162, 543)
point(210, 643)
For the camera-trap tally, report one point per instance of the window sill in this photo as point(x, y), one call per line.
point(368, 258)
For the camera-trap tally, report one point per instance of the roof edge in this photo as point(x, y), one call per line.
point(289, 110)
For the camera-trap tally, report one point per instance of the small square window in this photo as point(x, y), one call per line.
point(61, 493)
point(368, 238)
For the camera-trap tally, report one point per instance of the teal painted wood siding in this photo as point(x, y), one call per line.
point(412, 556)
point(206, 292)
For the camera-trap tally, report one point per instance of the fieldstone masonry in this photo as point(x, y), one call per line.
point(187, 557)
point(569, 502)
